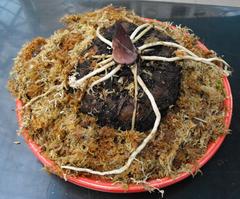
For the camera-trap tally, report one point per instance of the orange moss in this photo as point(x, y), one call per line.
point(70, 137)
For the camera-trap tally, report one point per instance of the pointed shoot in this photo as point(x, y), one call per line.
point(124, 52)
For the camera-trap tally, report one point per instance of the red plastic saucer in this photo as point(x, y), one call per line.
point(107, 186)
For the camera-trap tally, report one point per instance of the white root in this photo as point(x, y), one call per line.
point(167, 59)
point(166, 43)
point(50, 90)
point(77, 83)
point(138, 149)
point(134, 71)
point(104, 40)
point(105, 61)
point(192, 57)
point(155, 109)
point(148, 50)
point(135, 32)
point(198, 59)
point(110, 74)
point(141, 34)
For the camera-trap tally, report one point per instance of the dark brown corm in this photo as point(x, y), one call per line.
point(116, 107)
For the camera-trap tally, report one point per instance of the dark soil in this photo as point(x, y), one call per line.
point(115, 109)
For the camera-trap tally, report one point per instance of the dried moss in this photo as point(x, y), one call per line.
point(70, 137)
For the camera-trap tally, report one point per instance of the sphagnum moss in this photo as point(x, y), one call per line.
point(69, 137)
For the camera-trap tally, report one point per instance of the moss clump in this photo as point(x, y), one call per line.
point(68, 136)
